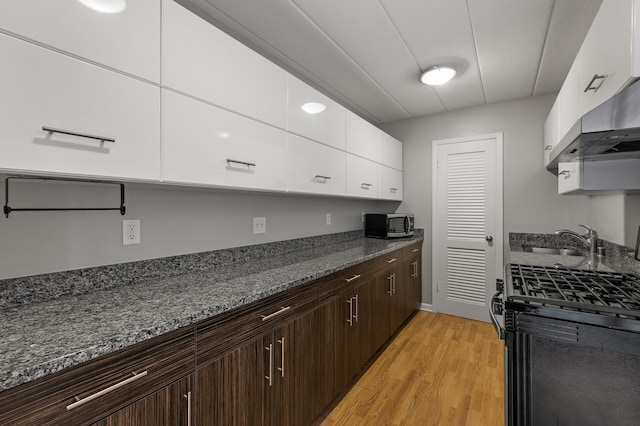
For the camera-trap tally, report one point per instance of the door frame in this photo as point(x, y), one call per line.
point(499, 240)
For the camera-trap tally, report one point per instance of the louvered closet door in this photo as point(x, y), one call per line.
point(465, 227)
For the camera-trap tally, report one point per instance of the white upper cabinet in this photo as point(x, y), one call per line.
point(550, 132)
point(128, 41)
point(42, 88)
point(390, 151)
point(390, 183)
point(609, 54)
point(569, 101)
point(208, 146)
point(314, 168)
point(200, 60)
point(323, 125)
point(363, 138)
point(362, 177)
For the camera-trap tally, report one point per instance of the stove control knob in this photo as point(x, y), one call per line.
point(489, 238)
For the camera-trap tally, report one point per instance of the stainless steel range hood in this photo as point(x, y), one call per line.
point(609, 132)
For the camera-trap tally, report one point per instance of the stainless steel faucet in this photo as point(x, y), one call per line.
point(590, 239)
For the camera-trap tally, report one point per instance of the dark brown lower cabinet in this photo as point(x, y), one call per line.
point(270, 380)
point(171, 405)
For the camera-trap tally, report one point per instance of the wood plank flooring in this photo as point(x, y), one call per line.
point(439, 370)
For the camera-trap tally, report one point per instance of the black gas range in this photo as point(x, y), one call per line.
point(572, 346)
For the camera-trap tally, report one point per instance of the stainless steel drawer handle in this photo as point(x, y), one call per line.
point(393, 190)
point(594, 88)
point(391, 260)
point(188, 398)
point(51, 130)
point(390, 279)
point(324, 178)
point(564, 172)
point(281, 368)
point(394, 283)
point(282, 309)
point(350, 319)
point(365, 185)
point(353, 278)
point(105, 391)
point(244, 163)
point(415, 250)
point(270, 376)
point(548, 147)
point(355, 316)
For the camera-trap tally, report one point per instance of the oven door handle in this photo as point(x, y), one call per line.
point(496, 309)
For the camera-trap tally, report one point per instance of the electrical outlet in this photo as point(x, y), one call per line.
point(130, 232)
point(259, 225)
point(328, 219)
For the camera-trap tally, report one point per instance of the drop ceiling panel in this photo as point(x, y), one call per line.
point(362, 29)
point(509, 38)
point(438, 33)
point(567, 30)
point(301, 46)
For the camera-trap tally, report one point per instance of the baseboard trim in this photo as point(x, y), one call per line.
point(426, 307)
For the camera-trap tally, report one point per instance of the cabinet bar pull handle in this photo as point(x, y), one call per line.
point(270, 376)
point(365, 185)
point(415, 250)
point(353, 278)
point(415, 269)
point(322, 177)
point(594, 88)
point(356, 315)
point(350, 320)
point(188, 397)
point(281, 368)
point(390, 279)
point(394, 283)
point(391, 260)
point(229, 160)
point(564, 172)
point(282, 309)
point(393, 190)
point(51, 130)
point(548, 147)
point(111, 388)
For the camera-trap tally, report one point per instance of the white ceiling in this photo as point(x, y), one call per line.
point(368, 54)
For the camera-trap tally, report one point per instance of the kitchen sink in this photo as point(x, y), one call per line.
point(560, 251)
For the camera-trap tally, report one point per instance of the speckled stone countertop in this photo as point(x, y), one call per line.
point(617, 258)
point(40, 338)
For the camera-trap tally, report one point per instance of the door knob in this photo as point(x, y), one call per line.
point(489, 238)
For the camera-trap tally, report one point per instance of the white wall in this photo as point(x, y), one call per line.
point(607, 217)
point(531, 200)
point(173, 221)
point(632, 219)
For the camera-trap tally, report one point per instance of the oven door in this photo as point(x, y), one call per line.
point(565, 373)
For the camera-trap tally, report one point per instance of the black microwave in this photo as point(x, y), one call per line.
point(388, 225)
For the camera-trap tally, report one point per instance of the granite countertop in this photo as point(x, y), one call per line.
point(616, 258)
point(42, 338)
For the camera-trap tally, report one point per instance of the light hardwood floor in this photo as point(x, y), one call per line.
point(439, 370)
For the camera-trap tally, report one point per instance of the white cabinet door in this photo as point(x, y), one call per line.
point(569, 101)
point(204, 62)
point(208, 146)
point(128, 41)
point(363, 138)
point(43, 88)
point(326, 126)
point(606, 54)
point(390, 151)
point(569, 177)
point(550, 132)
point(362, 177)
point(315, 168)
point(390, 183)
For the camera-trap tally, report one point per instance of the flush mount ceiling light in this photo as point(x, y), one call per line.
point(105, 6)
point(437, 76)
point(313, 107)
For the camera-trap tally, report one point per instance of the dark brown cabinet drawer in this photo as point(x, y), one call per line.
point(224, 332)
point(389, 259)
point(95, 389)
point(412, 250)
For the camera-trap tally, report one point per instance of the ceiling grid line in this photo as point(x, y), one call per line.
point(475, 47)
point(544, 47)
point(413, 56)
point(378, 85)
